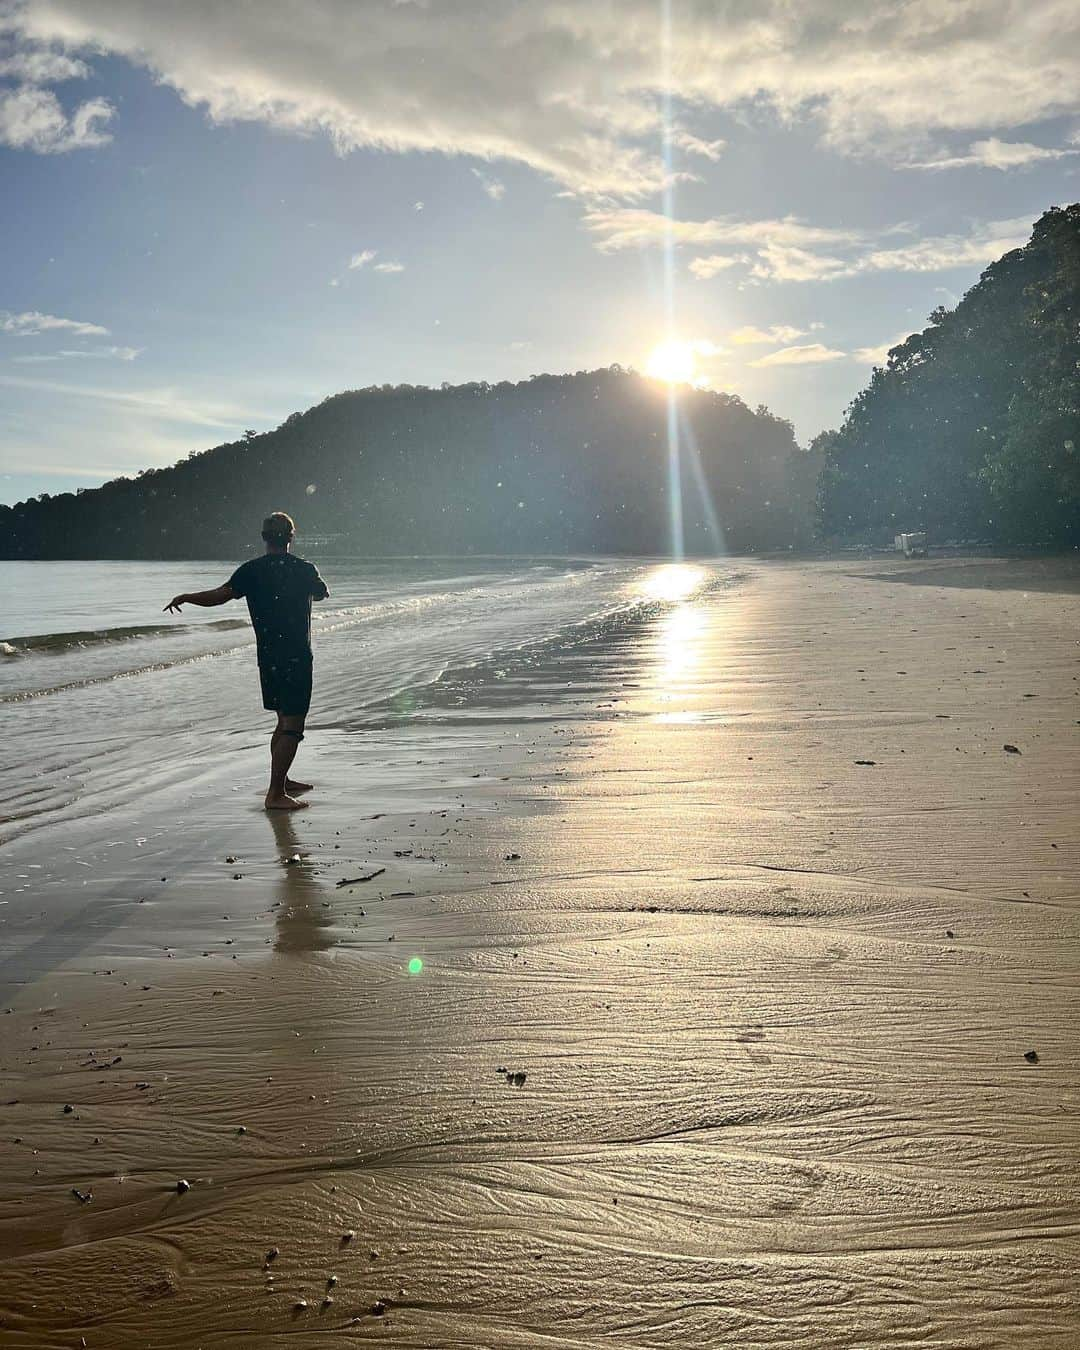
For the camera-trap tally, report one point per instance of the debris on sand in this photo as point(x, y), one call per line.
point(378, 1308)
point(291, 861)
point(300, 1305)
point(1032, 1056)
point(230, 859)
point(182, 1186)
point(354, 881)
point(516, 1077)
point(1012, 749)
point(272, 1255)
point(949, 932)
point(348, 1236)
point(512, 857)
point(867, 762)
point(68, 1109)
point(83, 1197)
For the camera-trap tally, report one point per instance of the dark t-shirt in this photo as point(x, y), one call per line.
point(279, 589)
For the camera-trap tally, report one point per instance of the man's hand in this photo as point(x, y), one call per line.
point(221, 595)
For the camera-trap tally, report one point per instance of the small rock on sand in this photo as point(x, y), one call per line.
point(182, 1186)
point(1012, 749)
point(1032, 1056)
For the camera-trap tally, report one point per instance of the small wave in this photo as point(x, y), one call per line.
point(99, 637)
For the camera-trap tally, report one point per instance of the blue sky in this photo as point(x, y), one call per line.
point(215, 215)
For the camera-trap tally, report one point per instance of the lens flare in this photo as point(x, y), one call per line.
point(415, 966)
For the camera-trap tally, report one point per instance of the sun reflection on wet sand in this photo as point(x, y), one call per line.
point(679, 642)
point(674, 581)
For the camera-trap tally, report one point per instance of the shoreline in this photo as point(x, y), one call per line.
point(772, 1004)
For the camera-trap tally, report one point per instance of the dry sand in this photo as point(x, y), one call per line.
point(772, 1005)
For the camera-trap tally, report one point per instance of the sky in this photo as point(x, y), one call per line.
point(215, 215)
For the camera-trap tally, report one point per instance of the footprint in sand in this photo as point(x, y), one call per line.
point(831, 955)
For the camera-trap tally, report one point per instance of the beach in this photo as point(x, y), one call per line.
point(713, 980)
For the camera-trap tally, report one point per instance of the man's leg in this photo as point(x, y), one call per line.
point(292, 785)
point(287, 736)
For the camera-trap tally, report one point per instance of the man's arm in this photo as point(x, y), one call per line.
point(221, 596)
point(319, 589)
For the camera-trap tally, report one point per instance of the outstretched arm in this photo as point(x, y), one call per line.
point(220, 596)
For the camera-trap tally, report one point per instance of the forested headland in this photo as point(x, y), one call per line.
point(972, 430)
point(563, 464)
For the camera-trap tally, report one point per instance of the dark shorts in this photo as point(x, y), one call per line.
point(286, 681)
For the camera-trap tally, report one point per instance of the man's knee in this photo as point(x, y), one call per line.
point(290, 726)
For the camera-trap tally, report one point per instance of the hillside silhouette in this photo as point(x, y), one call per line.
point(972, 429)
point(555, 464)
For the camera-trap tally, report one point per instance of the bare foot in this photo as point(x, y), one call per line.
point(283, 803)
point(292, 785)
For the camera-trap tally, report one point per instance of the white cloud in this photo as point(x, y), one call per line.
point(783, 262)
point(713, 264)
point(492, 186)
point(167, 404)
point(878, 356)
point(93, 353)
point(389, 267)
point(694, 145)
point(362, 259)
point(813, 353)
point(789, 249)
point(570, 89)
point(751, 336)
point(619, 227)
point(39, 65)
point(995, 154)
point(32, 119)
point(983, 245)
point(32, 323)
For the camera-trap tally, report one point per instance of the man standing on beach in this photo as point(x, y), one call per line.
point(279, 588)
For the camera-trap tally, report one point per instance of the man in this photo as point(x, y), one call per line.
point(279, 588)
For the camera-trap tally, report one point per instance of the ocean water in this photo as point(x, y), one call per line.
point(106, 699)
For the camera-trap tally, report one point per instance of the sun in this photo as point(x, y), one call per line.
point(674, 362)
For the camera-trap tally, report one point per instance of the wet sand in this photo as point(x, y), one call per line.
point(772, 1006)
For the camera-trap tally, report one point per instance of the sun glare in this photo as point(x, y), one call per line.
point(673, 582)
point(673, 361)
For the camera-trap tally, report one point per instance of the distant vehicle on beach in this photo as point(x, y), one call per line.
point(911, 545)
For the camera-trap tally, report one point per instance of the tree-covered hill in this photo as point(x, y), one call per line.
point(556, 464)
point(973, 428)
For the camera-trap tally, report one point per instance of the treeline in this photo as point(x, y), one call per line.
point(556, 464)
point(972, 430)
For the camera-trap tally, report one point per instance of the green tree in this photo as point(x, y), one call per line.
point(970, 428)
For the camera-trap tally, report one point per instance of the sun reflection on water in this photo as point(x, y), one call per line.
point(673, 581)
point(679, 631)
